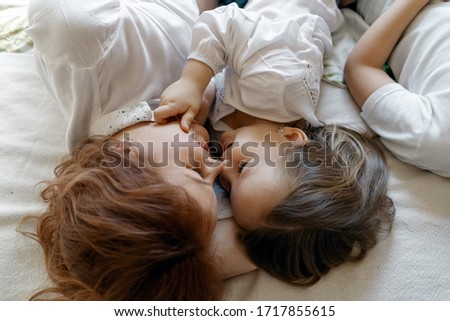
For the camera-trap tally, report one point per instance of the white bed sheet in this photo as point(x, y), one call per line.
point(31, 144)
point(413, 263)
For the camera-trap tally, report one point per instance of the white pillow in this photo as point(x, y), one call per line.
point(336, 105)
point(370, 10)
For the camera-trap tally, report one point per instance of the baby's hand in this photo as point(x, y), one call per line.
point(182, 98)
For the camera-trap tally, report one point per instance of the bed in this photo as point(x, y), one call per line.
point(412, 263)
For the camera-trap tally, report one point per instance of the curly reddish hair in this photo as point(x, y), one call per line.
point(122, 233)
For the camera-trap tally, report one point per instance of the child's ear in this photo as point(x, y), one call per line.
point(295, 135)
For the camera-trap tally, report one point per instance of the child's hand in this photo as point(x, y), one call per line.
point(208, 98)
point(181, 98)
point(184, 97)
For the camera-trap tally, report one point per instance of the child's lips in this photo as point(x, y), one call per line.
point(226, 154)
point(205, 146)
point(226, 143)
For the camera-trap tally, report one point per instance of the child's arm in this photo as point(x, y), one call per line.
point(219, 37)
point(184, 97)
point(207, 100)
point(363, 70)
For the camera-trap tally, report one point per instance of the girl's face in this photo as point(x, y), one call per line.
point(183, 158)
point(254, 159)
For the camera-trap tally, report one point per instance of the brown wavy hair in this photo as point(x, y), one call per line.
point(335, 213)
point(122, 233)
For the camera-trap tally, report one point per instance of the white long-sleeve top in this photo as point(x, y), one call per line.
point(412, 116)
point(273, 53)
point(103, 57)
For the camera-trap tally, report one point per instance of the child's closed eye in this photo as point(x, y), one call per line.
point(242, 164)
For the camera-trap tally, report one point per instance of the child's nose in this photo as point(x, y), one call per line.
point(213, 168)
point(227, 175)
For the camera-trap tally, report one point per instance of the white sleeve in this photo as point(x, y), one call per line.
point(328, 11)
point(333, 18)
point(231, 35)
point(413, 127)
point(98, 56)
point(220, 37)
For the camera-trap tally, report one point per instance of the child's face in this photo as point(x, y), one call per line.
point(253, 169)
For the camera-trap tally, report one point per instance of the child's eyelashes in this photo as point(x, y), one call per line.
point(228, 145)
point(242, 164)
point(198, 170)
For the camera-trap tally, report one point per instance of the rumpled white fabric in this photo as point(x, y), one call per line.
point(31, 145)
point(336, 106)
point(272, 54)
point(413, 263)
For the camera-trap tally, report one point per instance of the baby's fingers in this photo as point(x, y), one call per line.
point(187, 119)
point(164, 112)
